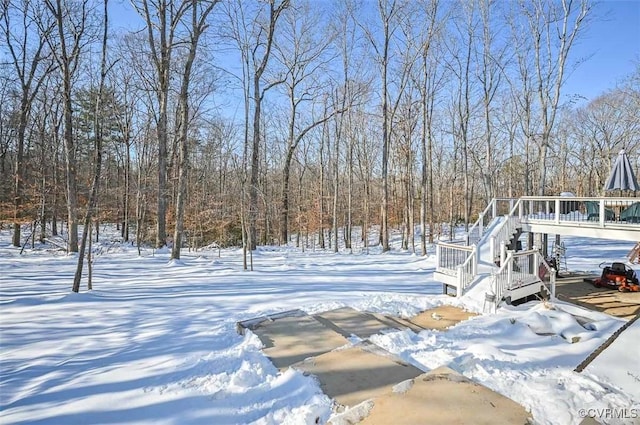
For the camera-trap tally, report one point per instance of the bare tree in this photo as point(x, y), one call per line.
point(389, 12)
point(72, 22)
point(460, 65)
point(553, 28)
point(490, 60)
point(98, 135)
point(260, 55)
point(30, 60)
point(200, 11)
point(429, 83)
point(124, 93)
point(162, 18)
point(238, 31)
point(301, 53)
point(351, 84)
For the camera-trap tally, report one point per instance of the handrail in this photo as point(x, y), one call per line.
point(459, 261)
point(449, 256)
point(506, 229)
point(467, 271)
point(573, 209)
point(479, 226)
point(479, 223)
point(521, 268)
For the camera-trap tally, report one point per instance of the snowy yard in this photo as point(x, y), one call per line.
point(155, 341)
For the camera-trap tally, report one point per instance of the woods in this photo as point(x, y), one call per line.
point(243, 123)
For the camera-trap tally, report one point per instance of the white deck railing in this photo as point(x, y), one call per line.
point(459, 261)
point(595, 211)
point(457, 264)
point(520, 269)
point(496, 208)
point(504, 234)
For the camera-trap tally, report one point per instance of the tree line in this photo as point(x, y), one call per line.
point(246, 122)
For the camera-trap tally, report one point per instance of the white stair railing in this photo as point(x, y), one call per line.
point(467, 271)
point(459, 261)
point(520, 269)
point(504, 234)
point(477, 230)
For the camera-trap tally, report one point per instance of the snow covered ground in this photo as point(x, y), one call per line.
point(155, 341)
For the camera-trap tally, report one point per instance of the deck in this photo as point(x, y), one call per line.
point(537, 215)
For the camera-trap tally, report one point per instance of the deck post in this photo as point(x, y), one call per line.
point(520, 212)
point(558, 211)
point(476, 259)
point(509, 271)
point(492, 247)
point(602, 212)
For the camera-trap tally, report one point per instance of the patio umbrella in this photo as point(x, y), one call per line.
point(622, 176)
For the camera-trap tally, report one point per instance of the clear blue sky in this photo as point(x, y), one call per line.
point(610, 46)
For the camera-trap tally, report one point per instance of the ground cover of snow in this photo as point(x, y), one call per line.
point(624, 353)
point(155, 341)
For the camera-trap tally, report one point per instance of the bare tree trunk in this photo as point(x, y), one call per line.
point(321, 240)
point(26, 61)
point(258, 95)
point(127, 191)
point(161, 46)
point(198, 26)
point(19, 170)
point(90, 261)
point(54, 202)
point(336, 187)
point(97, 125)
point(349, 224)
point(384, 218)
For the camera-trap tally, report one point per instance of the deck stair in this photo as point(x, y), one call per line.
point(514, 244)
point(491, 248)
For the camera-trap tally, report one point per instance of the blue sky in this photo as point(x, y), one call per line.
point(611, 47)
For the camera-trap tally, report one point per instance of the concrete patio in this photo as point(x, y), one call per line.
point(370, 385)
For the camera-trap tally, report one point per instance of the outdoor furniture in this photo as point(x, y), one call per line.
point(622, 176)
point(593, 212)
point(631, 214)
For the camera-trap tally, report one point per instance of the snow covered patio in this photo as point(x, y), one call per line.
point(371, 385)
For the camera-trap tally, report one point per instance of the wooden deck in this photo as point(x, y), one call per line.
point(573, 289)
